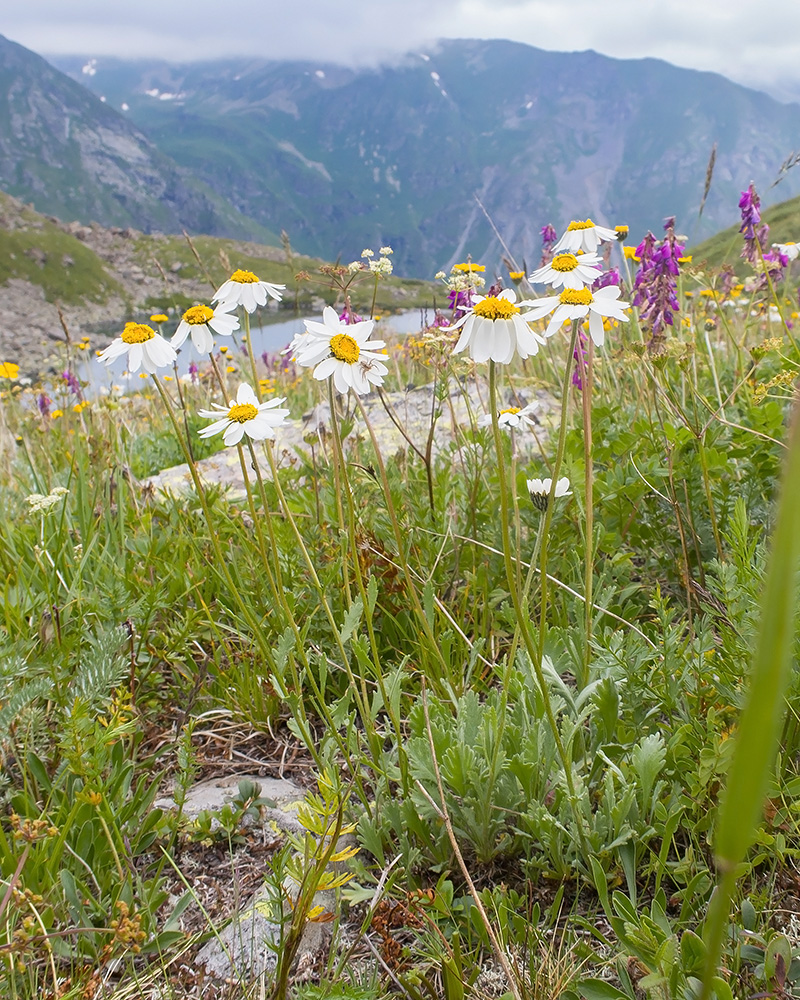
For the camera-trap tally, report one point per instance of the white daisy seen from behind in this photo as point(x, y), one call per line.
point(334, 348)
point(540, 490)
point(202, 322)
point(495, 329)
point(144, 347)
point(244, 415)
point(244, 288)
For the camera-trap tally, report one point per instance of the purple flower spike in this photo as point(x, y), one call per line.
point(549, 237)
point(655, 284)
point(610, 277)
point(72, 382)
point(44, 402)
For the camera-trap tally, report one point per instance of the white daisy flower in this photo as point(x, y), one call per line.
point(243, 416)
point(344, 351)
point(203, 322)
point(584, 236)
point(512, 416)
point(144, 347)
point(577, 303)
point(244, 288)
point(540, 489)
point(790, 250)
point(572, 270)
point(495, 329)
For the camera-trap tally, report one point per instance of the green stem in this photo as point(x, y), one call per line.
point(338, 463)
point(400, 543)
point(251, 355)
point(534, 654)
point(548, 517)
point(222, 565)
point(589, 509)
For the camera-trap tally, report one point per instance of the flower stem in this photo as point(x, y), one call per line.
point(400, 543)
point(251, 355)
point(338, 462)
point(222, 565)
point(588, 378)
point(535, 655)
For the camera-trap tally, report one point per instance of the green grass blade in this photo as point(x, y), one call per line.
point(758, 731)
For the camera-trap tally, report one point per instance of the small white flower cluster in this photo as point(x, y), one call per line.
point(382, 266)
point(43, 503)
point(462, 277)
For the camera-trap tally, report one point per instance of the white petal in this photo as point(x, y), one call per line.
point(234, 433)
point(482, 342)
point(503, 346)
point(326, 368)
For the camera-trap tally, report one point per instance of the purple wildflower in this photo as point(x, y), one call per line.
point(72, 382)
point(193, 370)
point(549, 237)
point(750, 205)
point(460, 302)
point(348, 316)
point(771, 263)
point(610, 277)
point(655, 284)
point(44, 402)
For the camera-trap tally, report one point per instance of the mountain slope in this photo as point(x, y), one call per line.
point(345, 158)
point(74, 156)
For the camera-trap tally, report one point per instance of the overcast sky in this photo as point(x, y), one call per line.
point(753, 43)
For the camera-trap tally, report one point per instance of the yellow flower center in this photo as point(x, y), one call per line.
point(137, 333)
point(573, 226)
point(244, 277)
point(516, 275)
point(564, 262)
point(495, 308)
point(511, 409)
point(197, 315)
point(242, 412)
point(576, 297)
point(159, 318)
point(621, 230)
point(345, 348)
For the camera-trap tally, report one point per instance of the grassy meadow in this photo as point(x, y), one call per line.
point(550, 743)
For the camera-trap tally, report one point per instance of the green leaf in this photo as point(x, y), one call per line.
point(351, 620)
point(757, 737)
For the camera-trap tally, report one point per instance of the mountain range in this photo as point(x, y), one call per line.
point(434, 155)
point(72, 155)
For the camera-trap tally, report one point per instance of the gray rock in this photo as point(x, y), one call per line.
point(247, 947)
point(213, 794)
point(412, 409)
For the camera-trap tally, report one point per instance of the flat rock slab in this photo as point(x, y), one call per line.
point(213, 794)
point(247, 947)
point(412, 409)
